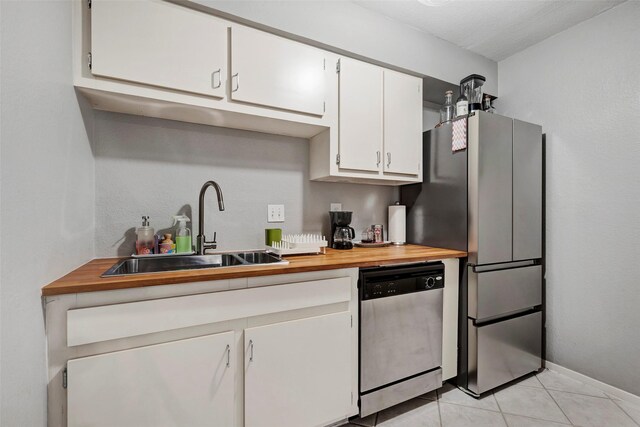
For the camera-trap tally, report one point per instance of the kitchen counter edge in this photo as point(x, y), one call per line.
point(87, 277)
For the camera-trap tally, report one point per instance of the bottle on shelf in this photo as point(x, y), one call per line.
point(487, 106)
point(145, 238)
point(446, 112)
point(462, 105)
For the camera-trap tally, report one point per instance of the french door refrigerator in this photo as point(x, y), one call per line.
point(487, 200)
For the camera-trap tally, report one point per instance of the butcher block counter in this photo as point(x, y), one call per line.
point(87, 277)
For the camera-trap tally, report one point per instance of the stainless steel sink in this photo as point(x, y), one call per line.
point(191, 262)
point(258, 257)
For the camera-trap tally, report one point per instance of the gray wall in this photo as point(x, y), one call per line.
point(156, 167)
point(582, 86)
point(430, 118)
point(346, 25)
point(47, 189)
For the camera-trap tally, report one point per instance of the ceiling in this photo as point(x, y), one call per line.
point(495, 29)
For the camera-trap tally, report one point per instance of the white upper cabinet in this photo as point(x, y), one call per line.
point(360, 116)
point(159, 43)
point(164, 59)
point(188, 382)
point(275, 72)
point(402, 123)
point(298, 373)
point(379, 135)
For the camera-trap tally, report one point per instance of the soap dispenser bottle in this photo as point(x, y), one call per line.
point(145, 240)
point(183, 234)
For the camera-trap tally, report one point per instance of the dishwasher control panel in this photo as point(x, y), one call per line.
point(381, 282)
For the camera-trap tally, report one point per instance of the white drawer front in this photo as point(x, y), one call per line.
point(96, 324)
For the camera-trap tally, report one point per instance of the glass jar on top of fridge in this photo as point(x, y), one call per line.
point(447, 109)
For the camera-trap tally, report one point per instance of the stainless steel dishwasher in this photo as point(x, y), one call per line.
point(400, 333)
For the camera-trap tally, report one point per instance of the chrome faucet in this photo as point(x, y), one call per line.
point(201, 241)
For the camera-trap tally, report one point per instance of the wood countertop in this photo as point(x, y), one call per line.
point(87, 277)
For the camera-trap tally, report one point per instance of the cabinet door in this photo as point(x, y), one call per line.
point(182, 383)
point(402, 123)
point(298, 373)
point(527, 191)
point(360, 126)
point(159, 43)
point(276, 72)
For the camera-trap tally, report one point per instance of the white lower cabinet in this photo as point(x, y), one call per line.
point(279, 351)
point(188, 382)
point(298, 373)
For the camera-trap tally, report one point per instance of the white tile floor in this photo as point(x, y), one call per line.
point(547, 399)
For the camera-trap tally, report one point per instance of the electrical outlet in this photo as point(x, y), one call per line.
point(335, 207)
point(275, 213)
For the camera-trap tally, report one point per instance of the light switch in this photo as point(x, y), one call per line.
point(275, 213)
point(336, 207)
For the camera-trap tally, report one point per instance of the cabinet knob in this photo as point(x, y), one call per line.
point(228, 355)
point(378, 155)
point(250, 350)
point(388, 159)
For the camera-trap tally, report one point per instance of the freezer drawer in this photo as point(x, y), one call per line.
point(503, 351)
point(503, 292)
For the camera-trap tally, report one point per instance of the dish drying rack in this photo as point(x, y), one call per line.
point(298, 244)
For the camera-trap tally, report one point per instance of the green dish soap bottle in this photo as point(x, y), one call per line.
point(183, 234)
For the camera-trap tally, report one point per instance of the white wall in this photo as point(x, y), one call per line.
point(582, 86)
point(345, 25)
point(47, 189)
point(156, 167)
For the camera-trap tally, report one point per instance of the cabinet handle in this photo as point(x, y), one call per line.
point(250, 350)
point(228, 355)
point(237, 77)
point(388, 159)
point(217, 72)
point(378, 156)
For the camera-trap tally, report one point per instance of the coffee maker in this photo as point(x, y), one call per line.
point(341, 234)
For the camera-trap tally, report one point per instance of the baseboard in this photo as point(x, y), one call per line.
point(606, 388)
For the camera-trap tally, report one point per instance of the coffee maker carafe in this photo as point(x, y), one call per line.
point(341, 234)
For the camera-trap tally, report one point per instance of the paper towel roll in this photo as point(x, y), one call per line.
point(398, 224)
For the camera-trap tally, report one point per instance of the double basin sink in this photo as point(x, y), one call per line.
point(131, 266)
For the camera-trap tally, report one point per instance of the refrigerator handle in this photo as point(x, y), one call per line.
point(503, 266)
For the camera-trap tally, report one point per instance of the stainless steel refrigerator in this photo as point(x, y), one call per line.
point(488, 201)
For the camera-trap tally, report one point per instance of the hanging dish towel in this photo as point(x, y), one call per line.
point(459, 139)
